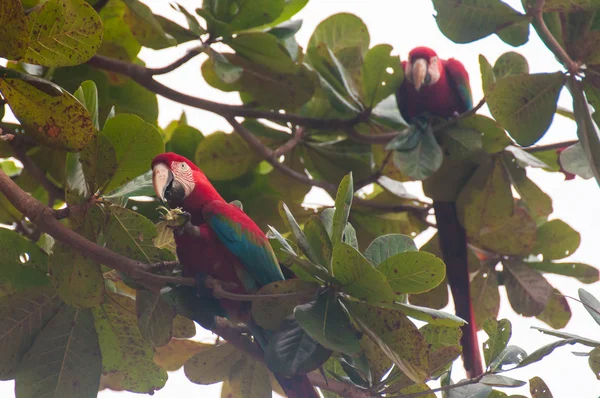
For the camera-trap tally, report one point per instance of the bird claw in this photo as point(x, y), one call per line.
point(180, 227)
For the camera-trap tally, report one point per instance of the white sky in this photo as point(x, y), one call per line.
point(406, 24)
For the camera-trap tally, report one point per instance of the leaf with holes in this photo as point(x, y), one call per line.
point(499, 332)
point(467, 21)
point(525, 104)
point(291, 351)
point(556, 240)
point(155, 318)
point(557, 312)
point(538, 388)
point(135, 143)
point(270, 314)
point(396, 336)
point(64, 359)
point(63, 33)
point(212, 365)
point(24, 264)
point(485, 296)
point(123, 348)
point(528, 291)
point(382, 74)
point(14, 30)
point(55, 120)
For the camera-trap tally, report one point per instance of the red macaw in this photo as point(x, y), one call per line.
point(441, 88)
point(224, 243)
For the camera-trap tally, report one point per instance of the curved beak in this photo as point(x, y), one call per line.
point(162, 178)
point(419, 73)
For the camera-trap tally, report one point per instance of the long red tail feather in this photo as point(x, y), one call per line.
point(453, 243)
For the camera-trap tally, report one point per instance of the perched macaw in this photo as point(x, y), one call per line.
point(441, 87)
point(224, 243)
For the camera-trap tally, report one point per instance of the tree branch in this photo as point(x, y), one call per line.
point(269, 155)
point(177, 63)
point(143, 76)
point(537, 11)
point(46, 221)
point(297, 138)
point(558, 145)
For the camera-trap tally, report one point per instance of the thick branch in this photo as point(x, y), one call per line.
point(143, 76)
point(538, 16)
point(46, 221)
point(558, 145)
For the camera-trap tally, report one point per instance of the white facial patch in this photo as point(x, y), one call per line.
point(434, 70)
point(184, 174)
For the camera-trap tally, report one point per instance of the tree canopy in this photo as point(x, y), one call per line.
point(91, 294)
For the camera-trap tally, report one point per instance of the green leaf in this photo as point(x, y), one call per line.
point(249, 378)
point(516, 34)
point(132, 98)
point(326, 321)
point(396, 336)
point(212, 365)
point(500, 381)
point(292, 351)
point(511, 355)
point(23, 315)
point(461, 143)
point(426, 314)
point(485, 296)
point(132, 234)
point(146, 27)
point(225, 156)
point(382, 74)
point(185, 140)
point(557, 312)
point(225, 70)
point(118, 41)
point(139, 186)
point(581, 340)
point(270, 314)
point(537, 201)
point(301, 240)
point(528, 291)
point(570, 5)
point(591, 304)
point(263, 49)
point(358, 277)
point(24, 264)
point(544, 351)
point(123, 348)
point(343, 202)
point(594, 362)
point(555, 240)
point(573, 160)
point(587, 132)
point(175, 354)
point(583, 272)
point(254, 13)
point(57, 121)
point(136, 143)
point(63, 33)
point(318, 240)
point(14, 30)
point(509, 64)
point(525, 104)
point(441, 336)
point(467, 21)
point(436, 298)
point(10, 167)
point(87, 94)
point(424, 159)
point(499, 332)
point(65, 358)
point(538, 388)
point(493, 137)
point(341, 32)
point(488, 79)
point(470, 391)
point(413, 272)
point(386, 246)
point(291, 8)
point(155, 318)
point(524, 158)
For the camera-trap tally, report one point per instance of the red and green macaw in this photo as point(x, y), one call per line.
point(223, 243)
point(441, 87)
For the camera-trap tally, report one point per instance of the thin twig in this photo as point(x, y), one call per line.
point(558, 145)
point(537, 11)
point(375, 176)
point(297, 138)
point(177, 63)
point(143, 76)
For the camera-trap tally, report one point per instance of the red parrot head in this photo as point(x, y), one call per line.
point(179, 182)
point(423, 67)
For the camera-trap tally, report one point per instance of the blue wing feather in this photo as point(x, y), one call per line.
point(460, 82)
point(256, 256)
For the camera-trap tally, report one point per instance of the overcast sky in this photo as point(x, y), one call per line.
point(575, 202)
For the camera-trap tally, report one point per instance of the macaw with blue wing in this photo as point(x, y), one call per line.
point(224, 243)
point(438, 87)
